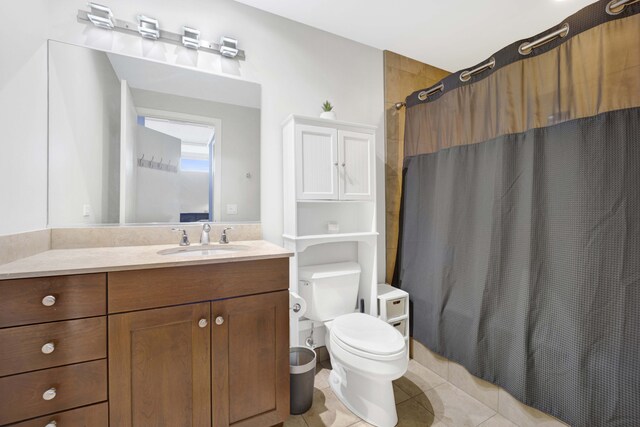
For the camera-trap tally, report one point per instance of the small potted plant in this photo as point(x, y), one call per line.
point(327, 111)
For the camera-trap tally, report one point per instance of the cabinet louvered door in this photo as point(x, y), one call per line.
point(317, 163)
point(250, 347)
point(356, 161)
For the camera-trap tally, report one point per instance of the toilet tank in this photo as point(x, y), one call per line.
point(329, 290)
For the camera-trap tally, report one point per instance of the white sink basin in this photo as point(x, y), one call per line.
point(203, 250)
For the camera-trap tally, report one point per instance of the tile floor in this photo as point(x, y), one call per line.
point(423, 398)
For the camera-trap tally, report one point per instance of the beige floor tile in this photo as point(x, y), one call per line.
point(412, 414)
point(418, 379)
point(454, 407)
point(399, 395)
point(523, 415)
point(362, 424)
point(482, 390)
point(322, 377)
point(429, 359)
point(498, 421)
point(327, 411)
point(295, 421)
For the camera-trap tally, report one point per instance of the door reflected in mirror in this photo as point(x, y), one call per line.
point(133, 141)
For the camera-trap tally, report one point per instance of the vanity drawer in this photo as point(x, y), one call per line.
point(159, 287)
point(23, 348)
point(89, 416)
point(26, 301)
point(23, 396)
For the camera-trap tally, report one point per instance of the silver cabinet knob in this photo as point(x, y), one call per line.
point(344, 164)
point(219, 320)
point(52, 423)
point(48, 301)
point(335, 164)
point(48, 348)
point(203, 323)
point(49, 394)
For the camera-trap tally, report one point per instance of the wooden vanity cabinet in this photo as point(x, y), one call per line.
point(220, 359)
point(250, 360)
point(53, 349)
point(201, 346)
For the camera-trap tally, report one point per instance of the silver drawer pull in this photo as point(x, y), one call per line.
point(49, 394)
point(52, 423)
point(48, 348)
point(48, 301)
point(219, 320)
point(203, 323)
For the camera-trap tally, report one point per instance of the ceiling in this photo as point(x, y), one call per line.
point(451, 35)
point(181, 81)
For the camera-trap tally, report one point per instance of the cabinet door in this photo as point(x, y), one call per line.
point(356, 158)
point(250, 351)
point(160, 366)
point(316, 163)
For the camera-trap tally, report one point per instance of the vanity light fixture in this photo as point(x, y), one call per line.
point(101, 16)
point(148, 27)
point(190, 37)
point(228, 47)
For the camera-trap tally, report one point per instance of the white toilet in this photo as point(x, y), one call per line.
point(367, 354)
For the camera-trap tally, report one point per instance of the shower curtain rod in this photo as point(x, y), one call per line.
point(614, 7)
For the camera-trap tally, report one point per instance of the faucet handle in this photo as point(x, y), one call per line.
point(206, 227)
point(184, 239)
point(223, 237)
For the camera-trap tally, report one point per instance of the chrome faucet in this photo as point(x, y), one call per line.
point(224, 239)
point(184, 239)
point(204, 237)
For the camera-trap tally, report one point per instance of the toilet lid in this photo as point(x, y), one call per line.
point(367, 333)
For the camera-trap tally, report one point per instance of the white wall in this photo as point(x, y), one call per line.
point(298, 67)
point(84, 137)
point(158, 191)
point(128, 155)
point(240, 152)
point(194, 191)
point(23, 116)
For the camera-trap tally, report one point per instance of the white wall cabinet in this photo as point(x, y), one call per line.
point(329, 178)
point(333, 164)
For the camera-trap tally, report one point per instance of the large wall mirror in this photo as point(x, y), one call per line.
point(133, 141)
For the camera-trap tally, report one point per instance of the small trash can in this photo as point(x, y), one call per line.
point(302, 372)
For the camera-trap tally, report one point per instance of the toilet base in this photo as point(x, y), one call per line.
point(371, 400)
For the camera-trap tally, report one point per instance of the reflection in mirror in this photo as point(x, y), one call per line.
point(135, 141)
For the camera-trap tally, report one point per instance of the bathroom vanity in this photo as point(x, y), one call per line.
point(92, 339)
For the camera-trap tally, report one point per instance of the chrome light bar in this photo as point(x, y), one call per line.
point(101, 17)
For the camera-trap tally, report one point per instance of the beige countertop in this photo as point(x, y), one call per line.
point(57, 262)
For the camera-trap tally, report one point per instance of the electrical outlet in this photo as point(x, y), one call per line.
point(232, 209)
point(86, 210)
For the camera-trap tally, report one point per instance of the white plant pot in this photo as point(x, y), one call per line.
point(331, 115)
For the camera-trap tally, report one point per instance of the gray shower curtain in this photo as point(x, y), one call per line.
point(520, 220)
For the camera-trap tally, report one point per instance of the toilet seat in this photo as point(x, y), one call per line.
point(368, 337)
